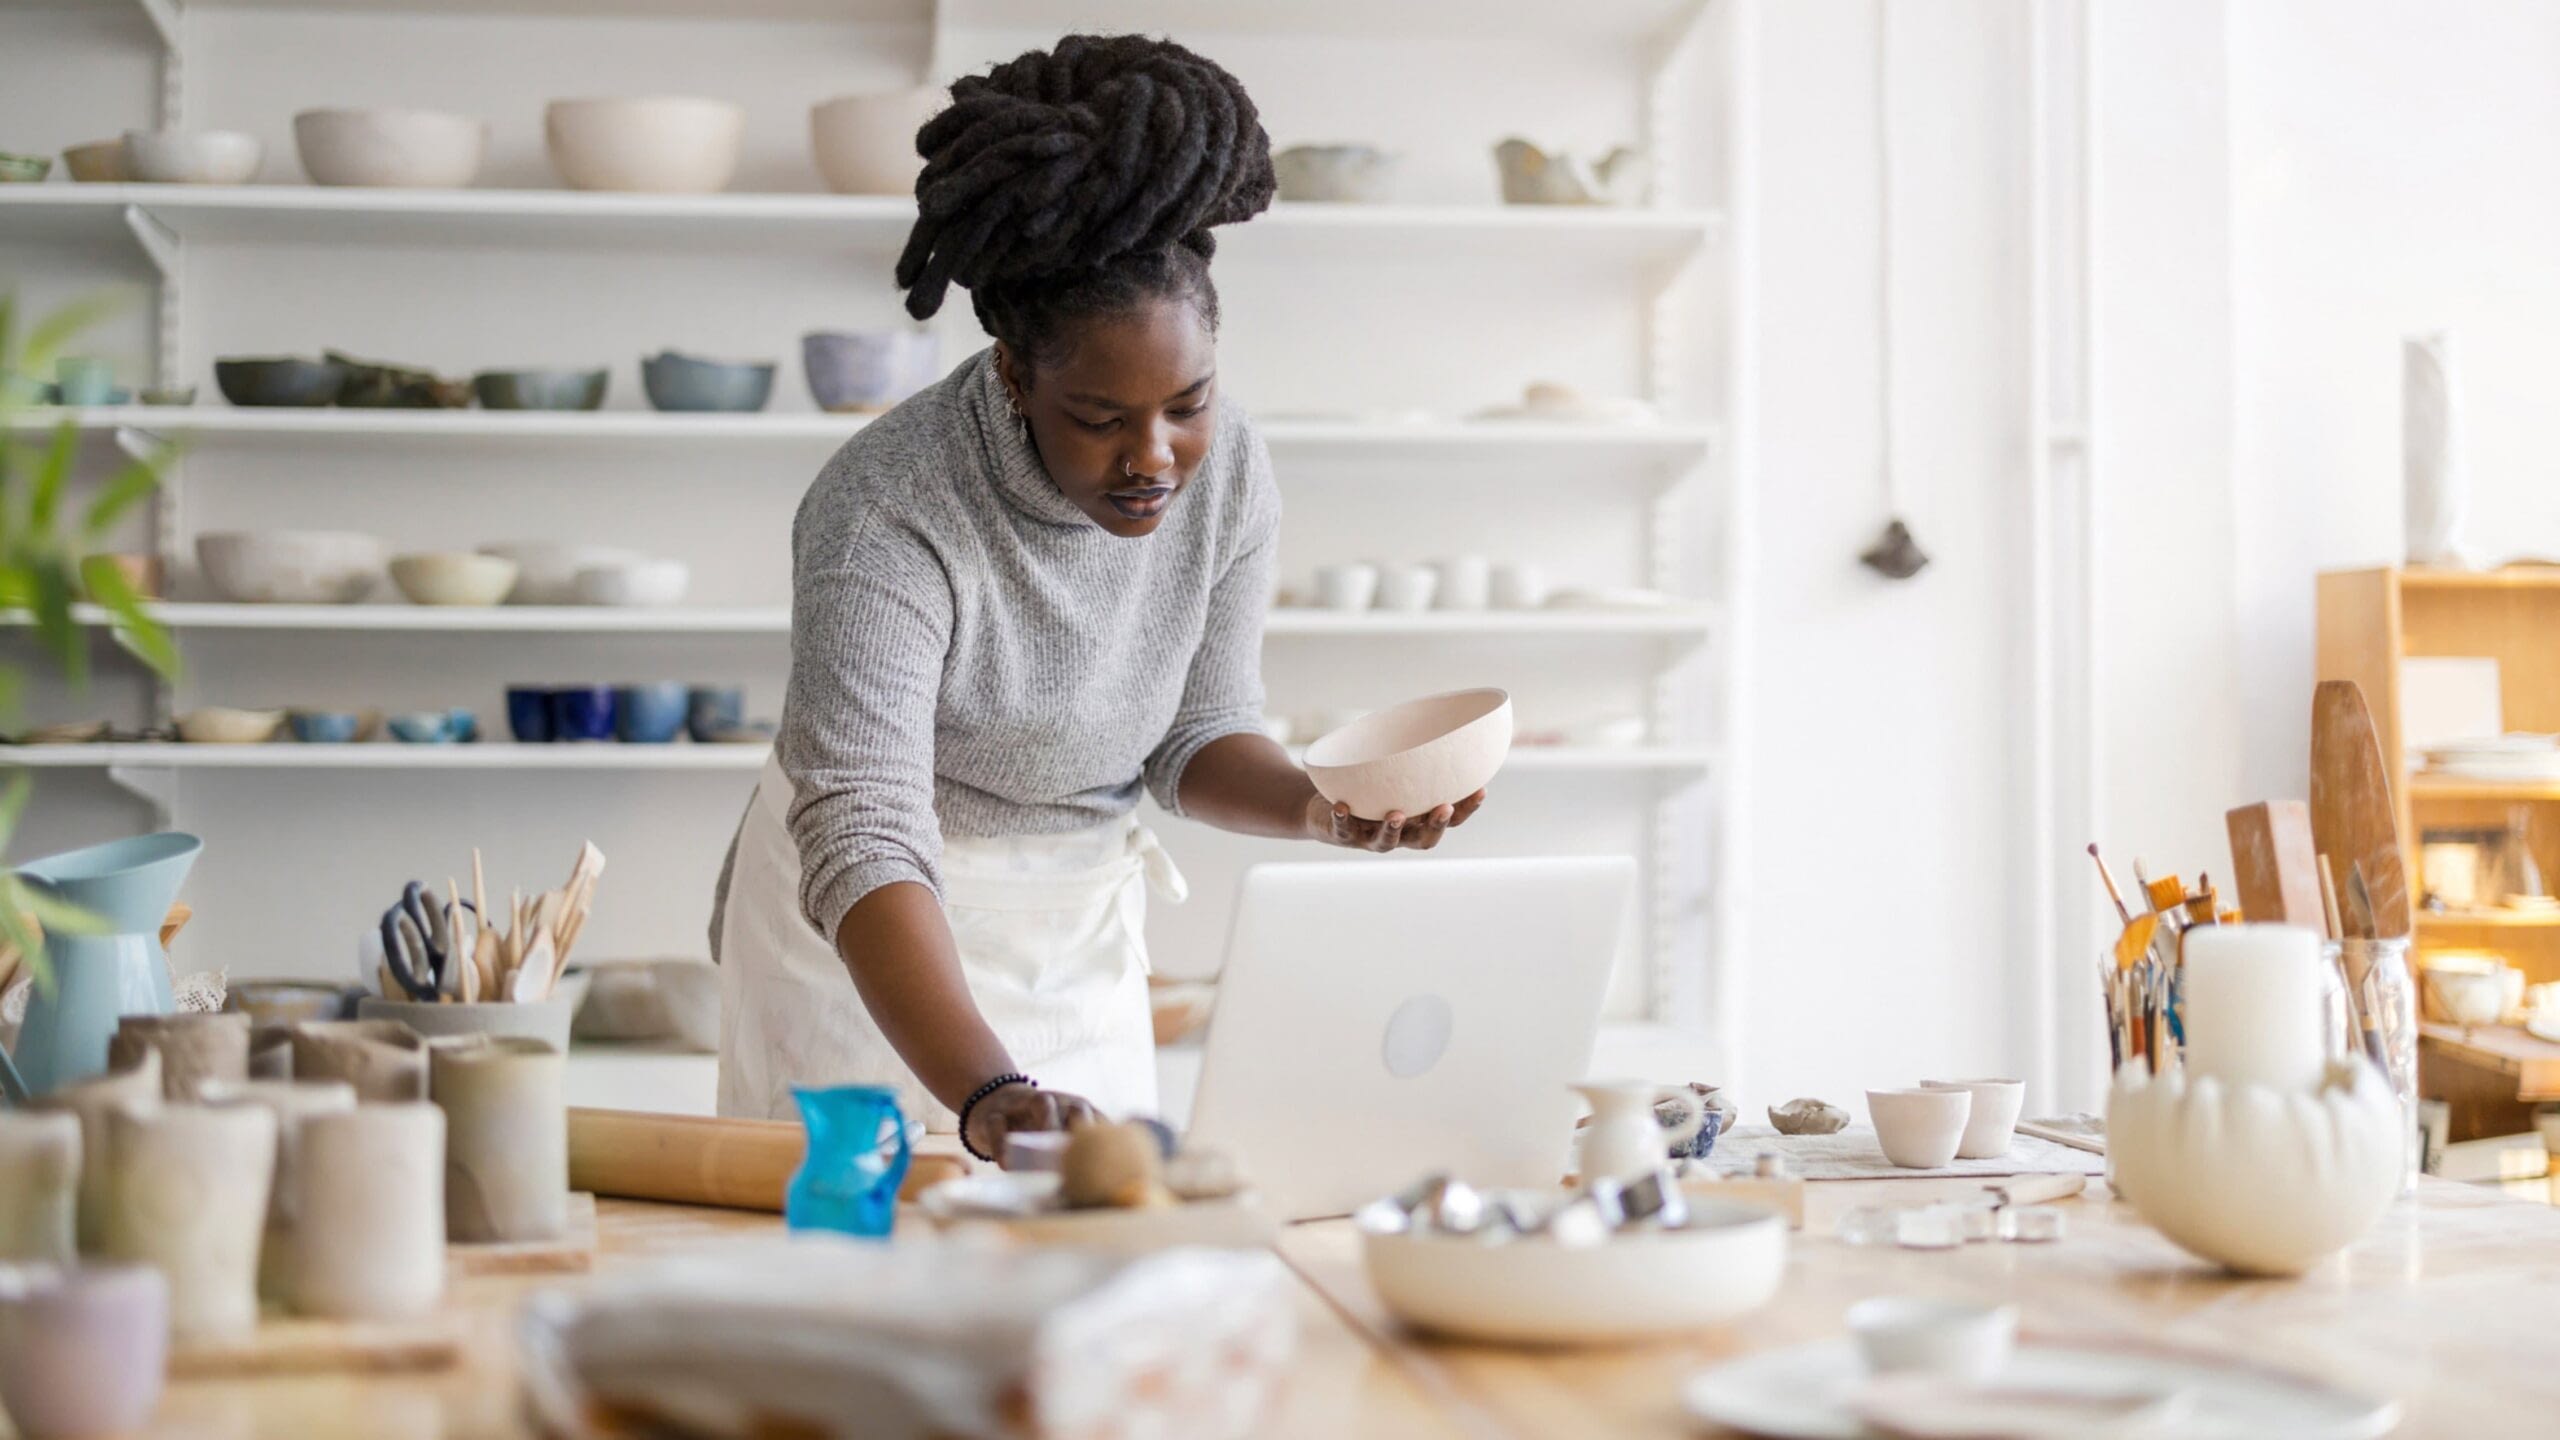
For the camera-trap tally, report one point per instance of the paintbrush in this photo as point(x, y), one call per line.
point(2108, 879)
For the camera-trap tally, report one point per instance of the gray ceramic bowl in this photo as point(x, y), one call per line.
point(281, 381)
point(683, 382)
point(541, 389)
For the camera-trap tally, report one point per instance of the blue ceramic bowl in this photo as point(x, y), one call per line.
point(866, 369)
point(463, 725)
point(540, 389)
point(710, 710)
point(582, 712)
point(649, 714)
point(425, 727)
point(529, 714)
point(325, 727)
point(683, 382)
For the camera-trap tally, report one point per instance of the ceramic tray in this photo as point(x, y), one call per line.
point(1806, 1393)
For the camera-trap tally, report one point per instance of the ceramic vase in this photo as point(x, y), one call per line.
point(1625, 1138)
point(293, 1105)
point(83, 1351)
point(368, 1195)
point(2435, 485)
point(384, 1060)
point(506, 1175)
point(92, 1102)
point(188, 1195)
point(194, 1049)
point(39, 1186)
point(2261, 1180)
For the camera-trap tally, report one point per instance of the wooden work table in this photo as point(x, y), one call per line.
point(2450, 1305)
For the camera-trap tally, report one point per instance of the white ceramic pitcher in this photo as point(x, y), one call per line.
point(1625, 1138)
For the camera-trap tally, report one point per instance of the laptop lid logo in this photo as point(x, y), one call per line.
point(1417, 1035)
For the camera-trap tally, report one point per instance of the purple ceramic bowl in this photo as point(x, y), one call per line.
point(83, 1351)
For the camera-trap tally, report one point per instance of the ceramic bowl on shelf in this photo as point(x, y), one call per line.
point(192, 157)
point(453, 577)
point(424, 727)
point(290, 567)
point(24, 169)
point(168, 395)
point(547, 570)
point(98, 162)
point(544, 1020)
point(1336, 174)
point(529, 714)
point(666, 144)
point(1531, 176)
point(325, 727)
point(689, 383)
point(1414, 757)
point(710, 710)
point(279, 380)
point(582, 712)
point(651, 714)
point(541, 389)
point(408, 149)
point(140, 574)
point(866, 144)
point(76, 732)
point(373, 385)
point(632, 582)
point(222, 725)
point(857, 371)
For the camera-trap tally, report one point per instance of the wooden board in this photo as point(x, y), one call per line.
point(2275, 865)
point(2354, 818)
point(694, 1160)
point(295, 1345)
point(573, 1253)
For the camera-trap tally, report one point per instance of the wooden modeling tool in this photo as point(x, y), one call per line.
point(2275, 865)
point(2353, 817)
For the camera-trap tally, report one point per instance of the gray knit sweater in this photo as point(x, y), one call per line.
point(972, 656)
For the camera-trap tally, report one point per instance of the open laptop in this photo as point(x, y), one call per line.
point(1380, 1020)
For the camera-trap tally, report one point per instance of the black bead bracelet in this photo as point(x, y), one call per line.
point(1010, 1077)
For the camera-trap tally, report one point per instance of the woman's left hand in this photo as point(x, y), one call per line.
point(1336, 825)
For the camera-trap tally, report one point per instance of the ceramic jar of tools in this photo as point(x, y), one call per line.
point(194, 1049)
point(384, 1060)
point(188, 1194)
point(83, 1351)
point(1627, 1136)
point(367, 1194)
point(292, 1103)
point(39, 1186)
point(506, 1139)
point(92, 1103)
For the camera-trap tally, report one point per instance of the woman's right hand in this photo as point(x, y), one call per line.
point(1017, 1109)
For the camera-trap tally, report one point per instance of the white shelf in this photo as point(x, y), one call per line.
point(869, 225)
point(1684, 623)
point(387, 755)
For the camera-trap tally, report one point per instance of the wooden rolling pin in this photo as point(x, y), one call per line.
point(690, 1160)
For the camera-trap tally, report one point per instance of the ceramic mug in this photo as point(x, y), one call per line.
point(83, 1351)
point(91, 1102)
point(649, 714)
point(193, 1048)
point(506, 1175)
point(582, 712)
point(711, 711)
point(1992, 1121)
point(1406, 588)
point(1346, 587)
point(384, 1060)
point(1518, 587)
point(368, 1191)
point(529, 714)
point(293, 1105)
point(188, 1193)
point(1466, 583)
point(84, 379)
point(39, 1186)
point(1919, 1129)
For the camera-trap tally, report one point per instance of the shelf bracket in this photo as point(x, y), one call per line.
point(154, 785)
point(140, 444)
point(163, 15)
point(157, 240)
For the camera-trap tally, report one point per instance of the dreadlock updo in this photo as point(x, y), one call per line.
point(1081, 181)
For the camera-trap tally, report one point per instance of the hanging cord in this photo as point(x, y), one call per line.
point(1894, 555)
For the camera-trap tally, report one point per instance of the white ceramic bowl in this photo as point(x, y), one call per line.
point(1726, 1263)
point(290, 567)
point(547, 570)
point(632, 582)
point(1919, 1129)
point(222, 725)
point(866, 144)
point(668, 144)
point(402, 148)
point(1937, 1337)
point(1416, 756)
point(2464, 997)
point(453, 577)
point(1334, 173)
point(192, 157)
point(1992, 1121)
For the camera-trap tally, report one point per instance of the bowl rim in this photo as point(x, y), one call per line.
point(574, 102)
point(376, 112)
point(1711, 1217)
point(1319, 754)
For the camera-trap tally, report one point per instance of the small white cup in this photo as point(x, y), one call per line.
point(1346, 587)
point(1919, 1129)
point(1518, 587)
point(1993, 1121)
point(1952, 1338)
point(1466, 583)
point(1406, 588)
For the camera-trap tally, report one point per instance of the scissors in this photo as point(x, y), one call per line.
point(418, 941)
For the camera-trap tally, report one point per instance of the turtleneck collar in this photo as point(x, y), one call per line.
point(1005, 440)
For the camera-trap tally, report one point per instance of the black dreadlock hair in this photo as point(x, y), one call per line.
point(1080, 181)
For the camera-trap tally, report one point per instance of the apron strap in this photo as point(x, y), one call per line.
point(1163, 876)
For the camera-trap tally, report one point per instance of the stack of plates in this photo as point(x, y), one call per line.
point(2498, 757)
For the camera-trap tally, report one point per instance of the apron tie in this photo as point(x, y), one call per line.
point(1163, 876)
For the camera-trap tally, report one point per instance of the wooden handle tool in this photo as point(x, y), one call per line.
point(692, 1160)
point(2353, 815)
point(2275, 865)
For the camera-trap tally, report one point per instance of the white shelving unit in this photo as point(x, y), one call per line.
point(1688, 266)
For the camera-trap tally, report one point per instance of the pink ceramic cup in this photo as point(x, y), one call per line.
point(83, 1351)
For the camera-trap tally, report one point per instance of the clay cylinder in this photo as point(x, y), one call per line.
point(194, 1048)
point(271, 1052)
point(384, 1060)
point(83, 1351)
point(293, 1104)
point(39, 1186)
point(91, 1102)
point(369, 1196)
point(506, 1174)
point(188, 1195)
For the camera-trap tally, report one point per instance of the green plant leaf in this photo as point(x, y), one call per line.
point(22, 934)
point(53, 474)
point(56, 631)
point(60, 917)
point(47, 336)
point(146, 637)
point(120, 494)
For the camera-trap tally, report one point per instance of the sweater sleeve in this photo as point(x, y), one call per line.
point(1222, 691)
point(871, 618)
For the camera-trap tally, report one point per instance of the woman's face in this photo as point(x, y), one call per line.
point(1124, 419)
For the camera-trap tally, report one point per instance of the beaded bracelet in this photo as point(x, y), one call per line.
point(1010, 1077)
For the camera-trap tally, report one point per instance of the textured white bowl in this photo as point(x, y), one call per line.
point(222, 725)
point(665, 144)
point(1414, 757)
point(632, 582)
point(866, 144)
point(453, 577)
point(1919, 1129)
point(547, 570)
point(399, 148)
point(192, 157)
point(290, 567)
point(2264, 1181)
point(1727, 1263)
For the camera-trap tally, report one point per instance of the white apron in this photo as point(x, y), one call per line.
point(1051, 936)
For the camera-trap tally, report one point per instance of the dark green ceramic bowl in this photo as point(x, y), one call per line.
point(541, 389)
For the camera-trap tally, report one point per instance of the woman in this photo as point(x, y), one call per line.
point(1019, 598)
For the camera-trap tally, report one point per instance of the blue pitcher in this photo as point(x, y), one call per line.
point(98, 978)
point(855, 1160)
